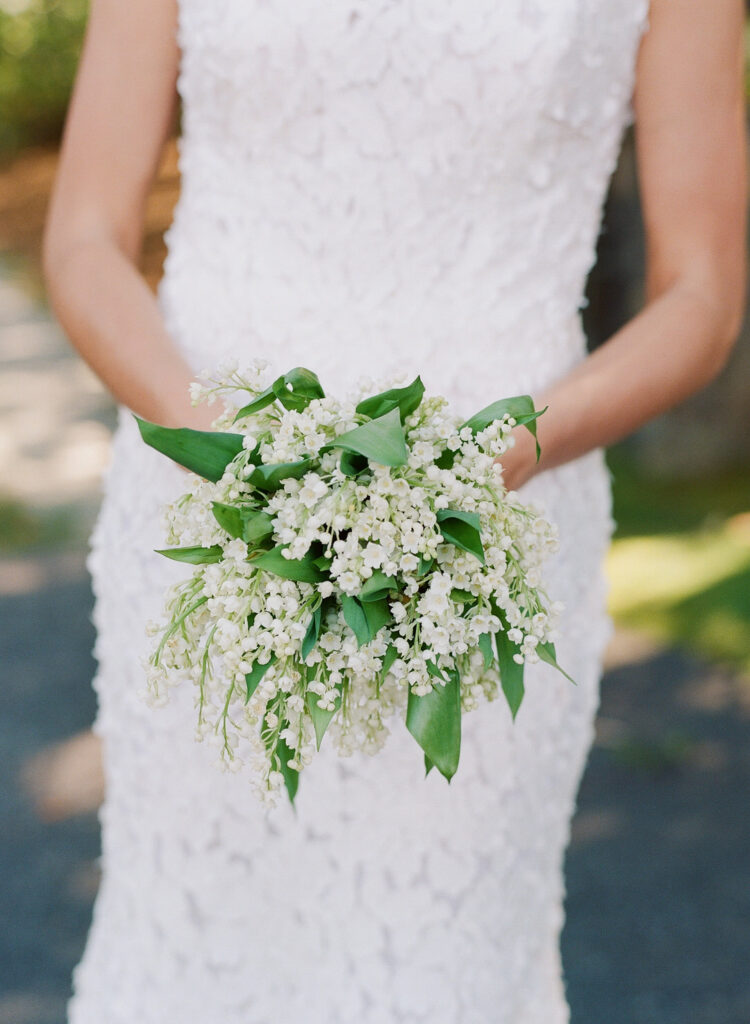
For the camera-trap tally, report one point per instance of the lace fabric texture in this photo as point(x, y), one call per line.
point(368, 187)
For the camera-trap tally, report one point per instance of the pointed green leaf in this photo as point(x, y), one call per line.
point(377, 586)
point(365, 620)
point(264, 399)
point(257, 527)
point(228, 517)
point(511, 673)
point(297, 388)
point(313, 632)
point(428, 766)
point(378, 614)
point(434, 669)
point(355, 618)
point(249, 524)
point(381, 440)
point(521, 408)
point(388, 658)
point(269, 477)
point(302, 570)
point(425, 564)
point(256, 673)
point(547, 653)
point(205, 452)
point(485, 646)
point(193, 556)
point(434, 720)
point(320, 717)
point(462, 529)
point(405, 399)
point(291, 775)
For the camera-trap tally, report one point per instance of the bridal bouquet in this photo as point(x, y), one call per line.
point(354, 560)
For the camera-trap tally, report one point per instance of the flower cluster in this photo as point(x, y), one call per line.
point(354, 562)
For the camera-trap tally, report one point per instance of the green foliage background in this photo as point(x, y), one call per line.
point(40, 41)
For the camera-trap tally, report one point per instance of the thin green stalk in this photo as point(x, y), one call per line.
point(175, 625)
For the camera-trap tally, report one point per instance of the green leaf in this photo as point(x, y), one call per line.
point(257, 527)
point(425, 564)
point(446, 459)
point(352, 464)
point(249, 524)
point(511, 673)
point(405, 399)
point(265, 398)
point(428, 766)
point(462, 596)
point(547, 653)
point(297, 388)
point(388, 658)
point(377, 586)
point(365, 620)
point(521, 408)
point(320, 717)
point(256, 673)
point(434, 669)
point(270, 476)
point(194, 556)
point(434, 720)
point(228, 517)
point(485, 646)
point(354, 616)
point(302, 570)
point(205, 452)
point(378, 614)
point(462, 529)
point(381, 440)
point(291, 775)
point(313, 632)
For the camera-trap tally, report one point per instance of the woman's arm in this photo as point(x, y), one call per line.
point(120, 115)
point(690, 139)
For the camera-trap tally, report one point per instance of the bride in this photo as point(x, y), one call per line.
point(371, 186)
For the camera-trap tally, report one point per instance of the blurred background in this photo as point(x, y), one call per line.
point(658, 926)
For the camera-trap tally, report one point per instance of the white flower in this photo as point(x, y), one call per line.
point(373, 556)
point(313, 490)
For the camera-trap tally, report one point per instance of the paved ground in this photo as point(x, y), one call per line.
point(658, 925)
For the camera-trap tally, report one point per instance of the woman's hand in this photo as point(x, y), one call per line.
point(519, 462)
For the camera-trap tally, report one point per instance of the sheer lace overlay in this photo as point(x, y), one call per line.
point(370, 186)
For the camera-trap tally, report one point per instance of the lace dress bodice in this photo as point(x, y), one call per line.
point(368, 187)
point(408, 185)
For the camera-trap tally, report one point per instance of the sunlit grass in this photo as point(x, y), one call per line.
point(679, 568)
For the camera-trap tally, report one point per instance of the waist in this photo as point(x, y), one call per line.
point(470, 347)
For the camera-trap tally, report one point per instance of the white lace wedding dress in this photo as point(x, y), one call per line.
point(367, 185)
